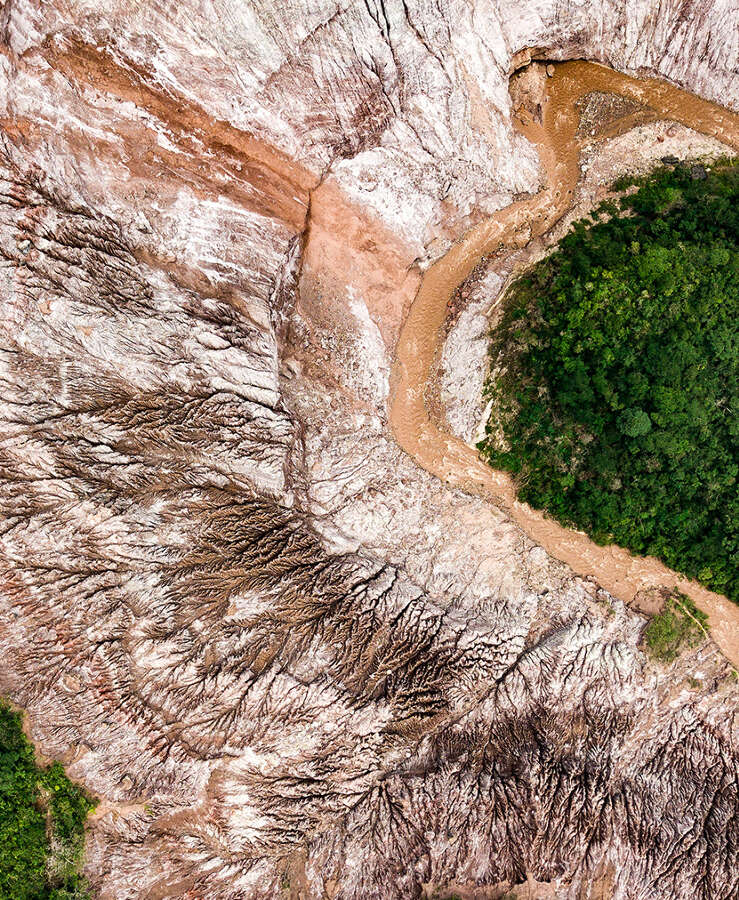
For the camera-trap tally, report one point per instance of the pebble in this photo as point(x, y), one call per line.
point(550, 70)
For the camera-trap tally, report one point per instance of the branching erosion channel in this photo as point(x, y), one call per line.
point(555, 133)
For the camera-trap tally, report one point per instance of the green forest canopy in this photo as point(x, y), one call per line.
point(679, 624)
point(42, 821)
point(614, 374)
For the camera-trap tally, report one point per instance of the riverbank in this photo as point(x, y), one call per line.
point(553, 128)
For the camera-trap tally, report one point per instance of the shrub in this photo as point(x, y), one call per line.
point(615, 376)
point(42, 819)
point(679, 625)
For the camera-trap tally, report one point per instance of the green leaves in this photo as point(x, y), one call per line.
point(617, 363)
point(680, 624)
point(39, 809)
point(634, 422)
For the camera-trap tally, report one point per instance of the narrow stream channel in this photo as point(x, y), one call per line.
point(455, 462)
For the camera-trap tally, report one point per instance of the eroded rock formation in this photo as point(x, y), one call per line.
point(289, 661)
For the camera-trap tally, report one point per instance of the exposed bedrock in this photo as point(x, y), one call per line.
point(288, 661)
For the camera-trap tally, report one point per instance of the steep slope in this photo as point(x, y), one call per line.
point(289, 661)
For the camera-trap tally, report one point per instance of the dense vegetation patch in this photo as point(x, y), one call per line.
point(614, 375)
point(679, 625)
point(42, 820)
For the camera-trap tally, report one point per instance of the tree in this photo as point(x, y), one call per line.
point(615, 375)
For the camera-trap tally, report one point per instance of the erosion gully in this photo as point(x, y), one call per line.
point(510, 229)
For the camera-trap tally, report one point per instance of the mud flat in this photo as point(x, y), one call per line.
point(555, 133)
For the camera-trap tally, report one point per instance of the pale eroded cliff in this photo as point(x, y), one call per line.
point(289, 661)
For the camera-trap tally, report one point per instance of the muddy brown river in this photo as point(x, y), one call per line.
point(512, 228)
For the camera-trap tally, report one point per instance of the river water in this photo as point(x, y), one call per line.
point(510, 229)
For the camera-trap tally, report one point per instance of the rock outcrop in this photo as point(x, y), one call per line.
point(288, 661)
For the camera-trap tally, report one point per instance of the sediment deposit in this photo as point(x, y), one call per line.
point(288, 660)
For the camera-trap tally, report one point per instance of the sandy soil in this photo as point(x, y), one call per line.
point(553, 126)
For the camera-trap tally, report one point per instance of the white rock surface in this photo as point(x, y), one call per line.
point(282, 655)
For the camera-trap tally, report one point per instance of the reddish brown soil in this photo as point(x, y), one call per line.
point(349, 255)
